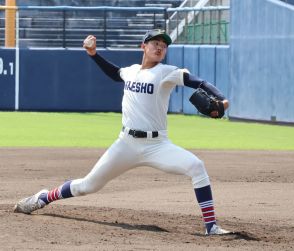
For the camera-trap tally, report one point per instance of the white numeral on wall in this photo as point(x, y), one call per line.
point(4, 70)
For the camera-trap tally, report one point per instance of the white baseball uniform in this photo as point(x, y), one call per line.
point(144, 107)
point(143, 140)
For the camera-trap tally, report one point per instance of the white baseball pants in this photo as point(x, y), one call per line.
point(128, 152)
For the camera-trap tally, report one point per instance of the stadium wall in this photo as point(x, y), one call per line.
point(262, 53)
point(7, 79)
point(67, 80)
point(209, 62)
point(61, 80)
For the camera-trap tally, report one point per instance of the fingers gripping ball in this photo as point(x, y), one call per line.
point(89, 42)
point(206, 104)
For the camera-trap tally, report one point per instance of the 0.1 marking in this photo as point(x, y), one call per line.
point(3, 68)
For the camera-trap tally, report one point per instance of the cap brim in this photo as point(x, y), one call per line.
point(165, 37)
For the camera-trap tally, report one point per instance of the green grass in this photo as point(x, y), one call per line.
point(208, 133)
point(32, 129)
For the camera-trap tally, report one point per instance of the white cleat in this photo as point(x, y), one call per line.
point(216, 230)
point(30, 204)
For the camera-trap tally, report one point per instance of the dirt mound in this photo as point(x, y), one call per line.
point(145, 209)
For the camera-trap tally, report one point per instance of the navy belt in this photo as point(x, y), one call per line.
point(140, 134)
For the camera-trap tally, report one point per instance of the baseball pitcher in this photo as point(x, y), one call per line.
point(143, 139)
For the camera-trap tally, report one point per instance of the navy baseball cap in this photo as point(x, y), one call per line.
point(153, 34)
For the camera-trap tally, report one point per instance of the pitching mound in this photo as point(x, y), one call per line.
point(145, 209)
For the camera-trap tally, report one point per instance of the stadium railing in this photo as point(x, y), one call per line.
point(66, 26)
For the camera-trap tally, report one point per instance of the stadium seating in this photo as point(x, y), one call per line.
point(43, 28)
point(125, 3)
point(67, 29)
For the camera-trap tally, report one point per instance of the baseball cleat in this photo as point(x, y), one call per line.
point(30, 204)
point(216, 230)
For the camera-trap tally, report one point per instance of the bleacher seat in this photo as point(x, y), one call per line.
point(47, 28)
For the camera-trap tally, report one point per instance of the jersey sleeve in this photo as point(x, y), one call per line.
point(175, 77)
point(122, 72)
point(127, 71)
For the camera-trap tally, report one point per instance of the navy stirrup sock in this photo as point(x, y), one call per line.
point(58, 193)
point(204, 198)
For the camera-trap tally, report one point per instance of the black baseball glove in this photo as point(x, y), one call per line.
point(206, 103)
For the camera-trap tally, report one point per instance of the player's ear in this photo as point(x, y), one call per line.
point(143, 45)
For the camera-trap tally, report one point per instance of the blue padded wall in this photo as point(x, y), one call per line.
point(7, 79)
point(191, 62)
point(262, 53)
point(68, 80)
point(175, 56)
point(222, 69)
point(210, 63)
point(207, 63)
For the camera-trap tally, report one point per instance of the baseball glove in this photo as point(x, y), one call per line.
point(206, 103)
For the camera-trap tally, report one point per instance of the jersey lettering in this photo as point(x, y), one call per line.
point(139, 87)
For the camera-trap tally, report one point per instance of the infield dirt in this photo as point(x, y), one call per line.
point(146, 209)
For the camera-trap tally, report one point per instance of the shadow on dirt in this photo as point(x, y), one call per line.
point(233, 236)
point(152, 228)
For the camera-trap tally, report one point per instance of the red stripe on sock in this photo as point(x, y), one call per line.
point(209, 219)
point(52, 194)
point(55, 194)
point(207, 209)
point(49, 197)
point(208, 214)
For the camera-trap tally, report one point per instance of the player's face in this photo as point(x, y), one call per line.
point(155, 50)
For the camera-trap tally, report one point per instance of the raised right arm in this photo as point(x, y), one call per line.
point(110, 69)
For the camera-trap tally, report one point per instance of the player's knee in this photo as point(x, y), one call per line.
point(196, 166)
point(197, 172)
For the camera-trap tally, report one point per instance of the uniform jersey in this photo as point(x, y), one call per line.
point(146, 95)
point(144, 108)
point(147, 91)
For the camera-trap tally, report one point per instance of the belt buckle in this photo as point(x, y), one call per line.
point(138, 134)
point(135, 135)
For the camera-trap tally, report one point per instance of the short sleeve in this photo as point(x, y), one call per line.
point(176, 77)
point(127, 71)
point(122, 72)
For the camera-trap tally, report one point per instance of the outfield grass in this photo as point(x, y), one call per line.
point(32, 129)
